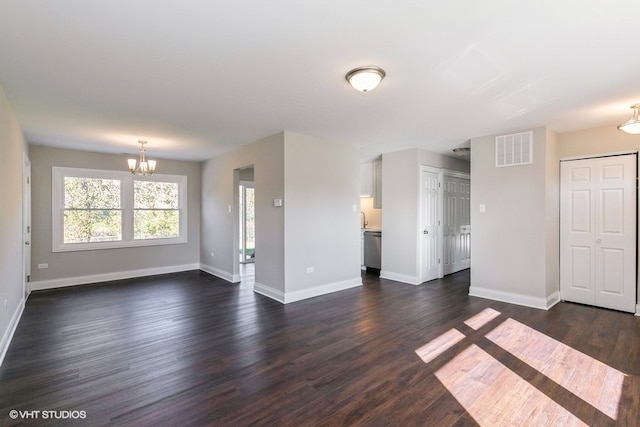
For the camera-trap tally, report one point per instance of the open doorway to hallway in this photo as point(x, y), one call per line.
point(246, 212)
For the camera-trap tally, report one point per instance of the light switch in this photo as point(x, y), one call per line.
point(277, 203)
point(483, 208)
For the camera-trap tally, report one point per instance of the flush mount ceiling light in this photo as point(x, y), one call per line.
point(633, 125)
point(365, 79)
point(142, 166)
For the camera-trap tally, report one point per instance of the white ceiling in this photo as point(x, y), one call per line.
point(196, 78)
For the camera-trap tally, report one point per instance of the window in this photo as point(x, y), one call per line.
point(94, 209)
point(156, 213)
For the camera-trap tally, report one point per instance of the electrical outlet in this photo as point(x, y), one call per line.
point(43, 266)
point(309, 269)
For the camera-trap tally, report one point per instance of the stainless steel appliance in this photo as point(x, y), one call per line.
point(372, 249)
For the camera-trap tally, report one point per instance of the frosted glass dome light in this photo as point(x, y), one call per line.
point(365, 79)
point(633, 125)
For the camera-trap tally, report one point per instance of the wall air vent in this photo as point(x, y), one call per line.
point(515, 149)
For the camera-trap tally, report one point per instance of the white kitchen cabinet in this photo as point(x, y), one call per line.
point(377, 185)
point(366, 180)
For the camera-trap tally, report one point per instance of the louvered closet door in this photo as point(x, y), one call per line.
point(598, 232)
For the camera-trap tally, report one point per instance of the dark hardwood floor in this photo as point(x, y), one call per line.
point(191, 349)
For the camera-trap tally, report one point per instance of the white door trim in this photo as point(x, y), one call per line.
point(26, 224)
point(595, 156)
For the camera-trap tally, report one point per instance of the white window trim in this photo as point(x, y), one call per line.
point(58, 175)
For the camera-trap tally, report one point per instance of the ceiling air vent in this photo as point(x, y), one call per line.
point(515, 149)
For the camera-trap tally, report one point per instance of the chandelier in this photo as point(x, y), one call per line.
point(142, 166)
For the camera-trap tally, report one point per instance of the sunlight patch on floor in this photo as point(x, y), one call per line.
point(591, 380)
point(495, 396)
point(436, 347)
point(479, 320)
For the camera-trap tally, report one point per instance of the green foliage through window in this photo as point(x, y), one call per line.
point(97, 209)
point(92, 210)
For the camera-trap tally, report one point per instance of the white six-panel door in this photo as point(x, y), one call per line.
point(598, 231)
point(430, 181)
point(456, 224)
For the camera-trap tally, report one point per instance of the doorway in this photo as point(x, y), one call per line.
point(246, 218)
point(598, 223)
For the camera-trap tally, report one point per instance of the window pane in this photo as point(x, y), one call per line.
point(156, 224)
point(92, 226)
point(155, 195)
point(91, 193)
point(251, 223)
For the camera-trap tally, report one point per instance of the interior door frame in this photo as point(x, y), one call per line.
point(243, 220)
point(26, 225)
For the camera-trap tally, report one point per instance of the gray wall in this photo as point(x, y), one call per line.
point(318, 182)
point(401, 208)
point(220, 227)
point(322, 229)
point(601, 140)
point(514, 243)
point(104, 262)
point(12, 148)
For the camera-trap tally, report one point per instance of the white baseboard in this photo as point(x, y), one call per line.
point(229, 277)
point(638, 310)
point(106, 277)
point(11, 329)
point(269, 292)
point(519, 299)
point(411, 280)
point(289, 297)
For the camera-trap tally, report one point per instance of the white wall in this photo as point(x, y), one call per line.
point(514, 243)
point(400, 221)
point(12, 147)
point(68, 268)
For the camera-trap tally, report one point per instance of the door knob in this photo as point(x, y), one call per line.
point(425, 232)
point(27, 243)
